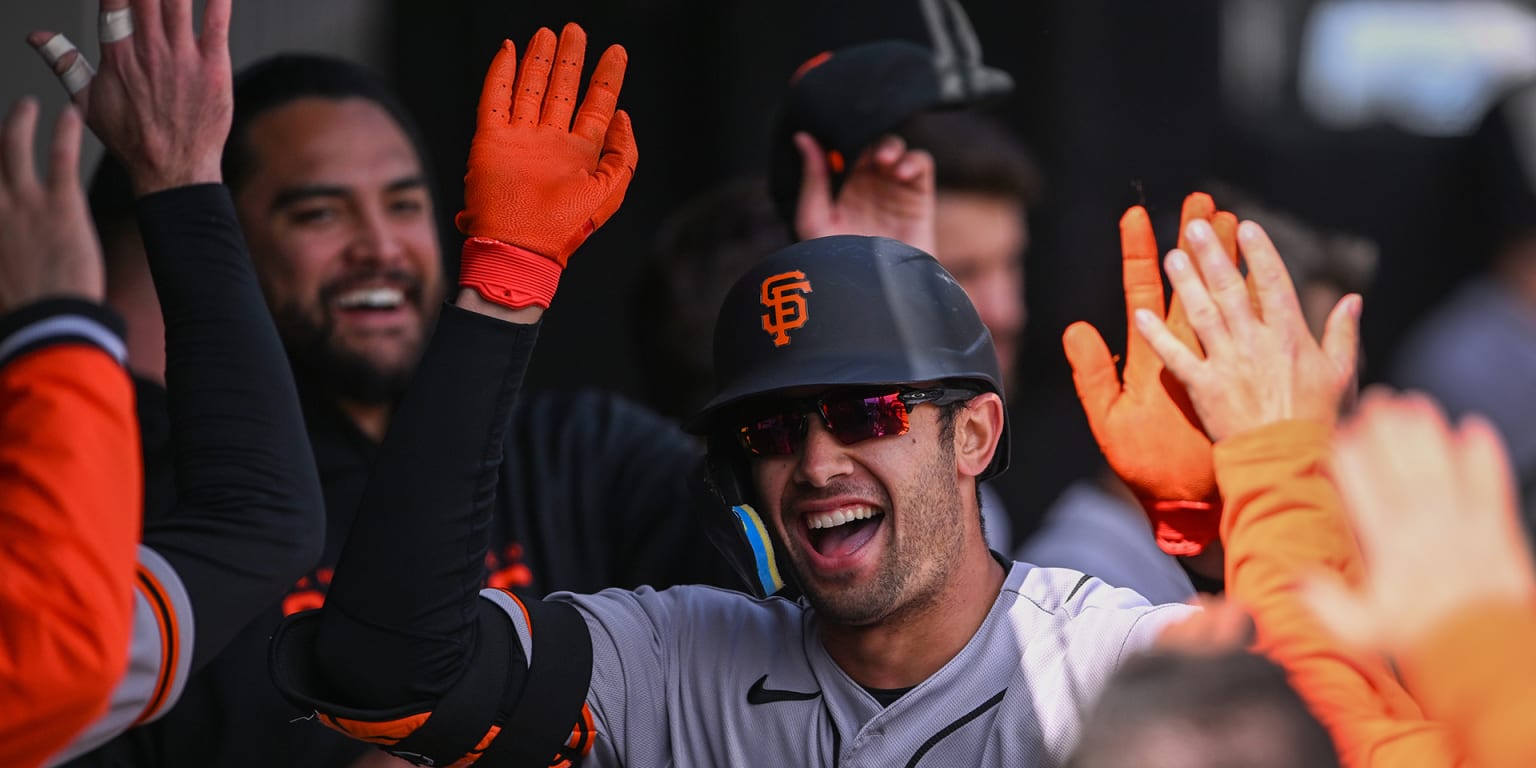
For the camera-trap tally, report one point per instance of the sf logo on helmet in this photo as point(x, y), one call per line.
point(784, 296)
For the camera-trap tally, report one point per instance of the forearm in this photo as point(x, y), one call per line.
point(1280, 523)
point(70, 483)
point(250, 517)
point(399, 619)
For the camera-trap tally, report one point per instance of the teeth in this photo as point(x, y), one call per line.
point(374, 298)
point(841, 516)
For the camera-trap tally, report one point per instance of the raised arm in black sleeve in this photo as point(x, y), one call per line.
point(249, 516)
point(399, 625)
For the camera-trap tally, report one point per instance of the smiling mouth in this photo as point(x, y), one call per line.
point(842, 532)
point(375, 299)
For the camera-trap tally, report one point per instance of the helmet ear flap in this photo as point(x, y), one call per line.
point(735, 527)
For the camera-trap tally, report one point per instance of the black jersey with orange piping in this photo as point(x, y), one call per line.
point(232, 503)
point(69, 520)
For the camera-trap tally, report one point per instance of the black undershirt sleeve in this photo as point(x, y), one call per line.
point(400, 627)
point(249, 516)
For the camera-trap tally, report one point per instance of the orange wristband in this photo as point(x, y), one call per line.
point(1184, 528)
point(508, 275)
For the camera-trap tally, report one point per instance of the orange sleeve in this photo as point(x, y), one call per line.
point(1477, 675)
point(1281, 521)
point(70, 501)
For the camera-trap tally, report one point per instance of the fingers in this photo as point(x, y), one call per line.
point(815, 200)
point(114, 24)
point(214, 38)
point(533, 78)
point(1198, 206)
point(67, 62)
point(617, 166)
point(1271, 281)
point(16, 145)
point(1202, 313)
point(1143, 282)
point(1177, 358)
point(565, 78)
point(177, 17)
point(592, 120)
point(148, 24)
point(1093, 370)
point(64, 155)
point(496, 93)
point(1222, 280)
point(1341, 336)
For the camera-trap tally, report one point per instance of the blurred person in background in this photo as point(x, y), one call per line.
point(1476, 352)
point(1187, 710)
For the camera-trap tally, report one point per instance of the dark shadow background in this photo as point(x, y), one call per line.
point(1120, 101)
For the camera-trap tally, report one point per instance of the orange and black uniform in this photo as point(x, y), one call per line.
point(594, 492)
point(69, 522)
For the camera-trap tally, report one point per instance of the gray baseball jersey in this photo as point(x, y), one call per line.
point(698, 676)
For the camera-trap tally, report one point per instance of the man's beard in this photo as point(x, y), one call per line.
point(320, 359)
point(915, 569)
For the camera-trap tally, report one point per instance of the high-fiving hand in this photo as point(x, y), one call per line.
point(1261, 363)
point(163, 99)
point(1423, 494)
point(1144, 425)
point(536, 182)
point(47, 245)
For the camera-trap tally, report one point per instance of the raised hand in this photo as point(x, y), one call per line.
point(163, 99)
point(1144, 425)
point(537, 185)
point(890, 193)
point(1261, 364)
point(1423, 494)
point(47, 245)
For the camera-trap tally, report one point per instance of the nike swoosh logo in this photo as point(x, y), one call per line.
point(757, 694)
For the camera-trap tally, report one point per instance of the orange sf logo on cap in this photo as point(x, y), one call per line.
point(784, 296)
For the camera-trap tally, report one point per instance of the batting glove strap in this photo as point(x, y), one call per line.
point(1184, 528)
point(508, 275)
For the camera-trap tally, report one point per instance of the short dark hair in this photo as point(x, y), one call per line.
point(699, 252)
point(1225, 700)
point(975, 153)
point(280, 80)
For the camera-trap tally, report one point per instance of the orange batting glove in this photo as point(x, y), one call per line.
point(1145, 425)
point(537, 186)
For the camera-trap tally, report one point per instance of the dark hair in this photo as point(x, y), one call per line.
point(699, 252)
point(279, 80)
point(975, 153)
point(1237, 706)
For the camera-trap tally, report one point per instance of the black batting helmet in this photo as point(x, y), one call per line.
point(848, 310)
point(834, 311)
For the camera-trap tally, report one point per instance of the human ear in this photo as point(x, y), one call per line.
point(978, 427)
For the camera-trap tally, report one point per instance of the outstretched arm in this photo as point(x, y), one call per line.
point(249, 517)
point(1423, 494)
point(405, 653)
point(70, 478)
point(1268, 395)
